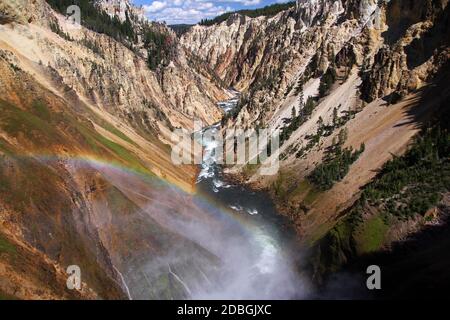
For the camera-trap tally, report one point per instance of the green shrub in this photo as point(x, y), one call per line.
point(335, 168)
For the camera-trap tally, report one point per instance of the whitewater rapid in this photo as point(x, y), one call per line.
point(259, 265)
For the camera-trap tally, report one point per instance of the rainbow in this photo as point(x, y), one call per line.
point(206, 201)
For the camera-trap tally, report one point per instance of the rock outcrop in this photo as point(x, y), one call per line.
point(240, 51)
point(410, 59)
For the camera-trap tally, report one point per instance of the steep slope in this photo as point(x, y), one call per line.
point(71, 196)
point(82, 60)
point(86, 176)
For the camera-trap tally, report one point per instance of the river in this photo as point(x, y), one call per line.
point(259, 260)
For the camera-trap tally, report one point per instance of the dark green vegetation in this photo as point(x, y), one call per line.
point(267, 11)
point(407, 187)
point(92, 45)
point(413, 183)
point(305, 109)
point(98, 20)
point(158, 43)
point(180, 29)
point(160, 47)
point(312, 70)
point(54, 26)
point(325, 130)
point(335, 166)
point(266, 81)
point(327, 81)
point(339, 69)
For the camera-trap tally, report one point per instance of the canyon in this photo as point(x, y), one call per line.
point(86, 175)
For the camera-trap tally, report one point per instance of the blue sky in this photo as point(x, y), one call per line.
point(192, 11)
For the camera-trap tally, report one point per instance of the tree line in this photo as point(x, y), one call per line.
point(267, 11)
point(160, 47)
point(336, 163)
point(413, 183)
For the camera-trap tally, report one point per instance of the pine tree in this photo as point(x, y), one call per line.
point(301, 99)
point(362, 148)
point(335, 117)
point(342, 136)
point(321, 127)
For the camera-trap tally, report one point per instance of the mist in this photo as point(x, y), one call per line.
point(208, 251)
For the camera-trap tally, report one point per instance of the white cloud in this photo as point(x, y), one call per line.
point(251, 2)
point(190, 11)
point(155, 6)
point(245, 2)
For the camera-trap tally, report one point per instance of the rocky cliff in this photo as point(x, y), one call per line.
point(240, 51)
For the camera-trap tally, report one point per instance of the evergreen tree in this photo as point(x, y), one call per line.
point(342, 136)
point(267, 11)
point(335, 117)
point(301, 100)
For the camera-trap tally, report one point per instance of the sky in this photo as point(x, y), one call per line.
point(192, 11)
